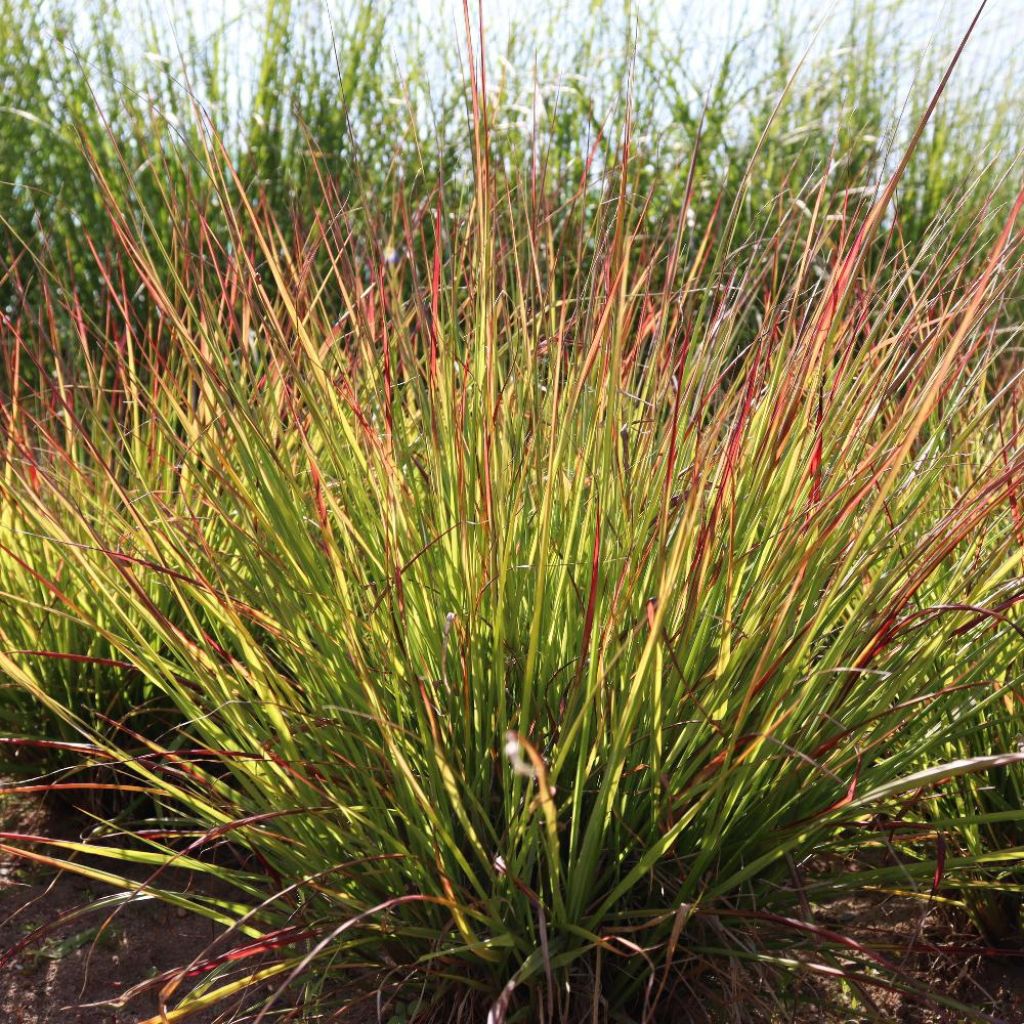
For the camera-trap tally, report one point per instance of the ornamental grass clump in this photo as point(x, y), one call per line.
point(561, 608)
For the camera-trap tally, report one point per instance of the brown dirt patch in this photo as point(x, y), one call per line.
point(53, 980)
point(934, 946)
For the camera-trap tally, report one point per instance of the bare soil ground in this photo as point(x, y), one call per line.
point(935, 946)
point(53, 980)
point(72, 975)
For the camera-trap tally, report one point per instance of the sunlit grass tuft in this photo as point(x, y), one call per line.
point(563, 600)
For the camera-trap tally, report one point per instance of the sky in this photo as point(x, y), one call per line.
point(704, 24)
point(999, 35)
point(1002, 24)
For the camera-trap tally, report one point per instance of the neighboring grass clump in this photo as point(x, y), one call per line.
point(530, 584)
